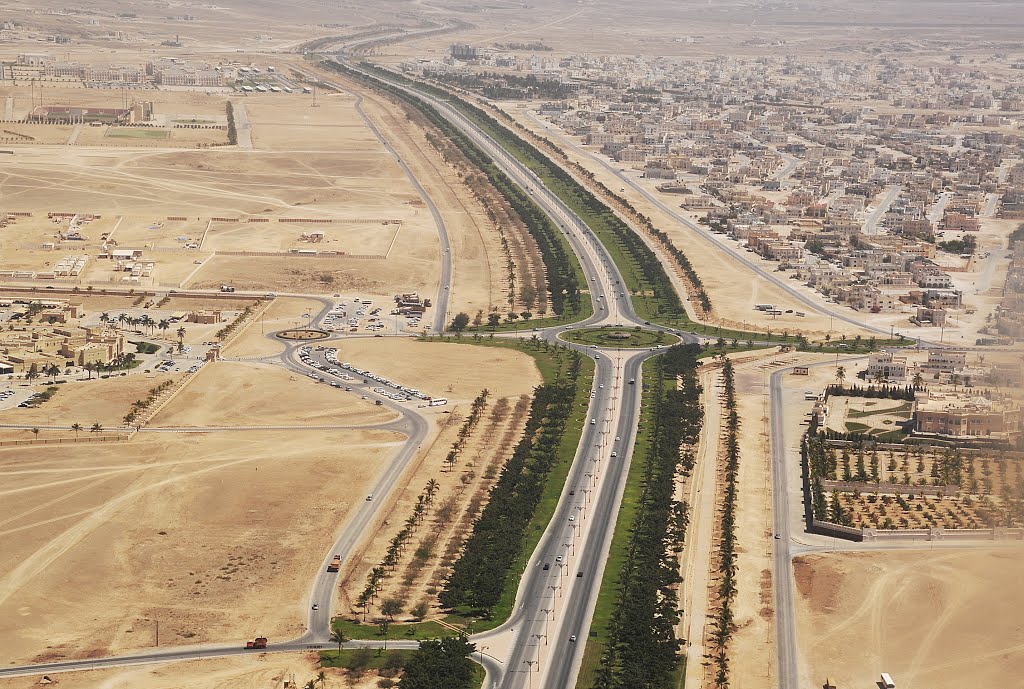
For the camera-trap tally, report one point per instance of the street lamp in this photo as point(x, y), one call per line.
point(531, 663)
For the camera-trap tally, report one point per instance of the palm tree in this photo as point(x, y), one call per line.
point(164, 326)
point(181, 337)
point(96, 427)
point(76, 427)
point(122, 319)
point(432, 487)
point(840, 375)
point(338, 637)
point(35, 432)
point(879, 377)
point(89, 366)
point(918, 380)
point(105, 318)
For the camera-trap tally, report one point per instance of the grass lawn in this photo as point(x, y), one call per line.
point(417, 631)
point(620, 337)
point(350, 657)
point(137, 133)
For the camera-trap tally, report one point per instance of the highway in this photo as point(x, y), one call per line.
point(554, 604)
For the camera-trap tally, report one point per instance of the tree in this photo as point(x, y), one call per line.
point(918, 380)
point(391, 607)
point(440, 664)
point(840, 374)
point(431, 490)
point(33, 372)
point(164, 326)
point(879, 377)
point(493, 320)
point(35, 432)
point(420, 610)
point(96, 427)
point(181, 338)
point(460, 322)
point(384, 626)
point(89, 367)
point(359, 660)
point(76, 427)
point(338, 637)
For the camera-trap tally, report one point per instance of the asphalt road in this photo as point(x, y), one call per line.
point(554, 604)
point(785, 625)
point(445, 281)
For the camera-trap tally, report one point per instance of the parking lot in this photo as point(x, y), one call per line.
point(344, 375)
point(360, 315)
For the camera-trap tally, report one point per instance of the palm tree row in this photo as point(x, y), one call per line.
point(140, 406)
point(480, 576)
point(476, 409)
point(724, 626)
point(694, 284)
point(564, 275)
point(396, 548)
point(642, 648)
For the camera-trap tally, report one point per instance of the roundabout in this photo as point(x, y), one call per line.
point(303, 334)
point(611, 336)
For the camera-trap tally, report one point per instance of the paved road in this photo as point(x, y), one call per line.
point(445, 281)
point(243, 131)
point(554, 604)
point(873, 218)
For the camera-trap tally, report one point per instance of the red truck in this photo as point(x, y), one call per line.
point(260, 642)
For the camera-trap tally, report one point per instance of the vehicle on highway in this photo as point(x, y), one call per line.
point(369, 497)
point(615, 454)
point(558, 559)
point(572, 639)
point(316, 606)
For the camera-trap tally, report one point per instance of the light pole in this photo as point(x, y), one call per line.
point(531, 663)
point(538, 637)
point(481, 652)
